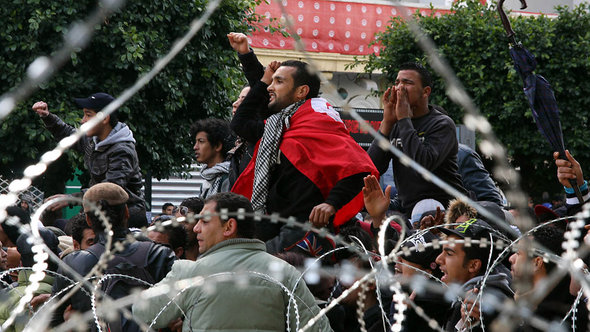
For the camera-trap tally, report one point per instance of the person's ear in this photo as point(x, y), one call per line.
point(426, 91)
point(230, 228)
point(179, 251)
point(474, 266)
point(218, 147)
point(301, 92)
point(76, 245)
point(538, 264)
point(106, 120)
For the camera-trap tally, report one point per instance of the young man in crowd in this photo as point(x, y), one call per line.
point(227, 247)
point(109, 151)
point(82, 234)
point(558, 302)
point(466, 265)
point(213, 140)
point(423, 133)
point(171, 236)
point(167, 209)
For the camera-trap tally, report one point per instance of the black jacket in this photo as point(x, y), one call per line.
point(159, 263)
point(112, 160)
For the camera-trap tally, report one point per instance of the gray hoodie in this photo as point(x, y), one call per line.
point(113, 159)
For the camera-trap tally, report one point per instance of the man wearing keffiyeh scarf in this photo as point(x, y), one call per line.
point(305, 164)
point(213, 140)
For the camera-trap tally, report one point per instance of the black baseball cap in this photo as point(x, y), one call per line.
point(95, 102)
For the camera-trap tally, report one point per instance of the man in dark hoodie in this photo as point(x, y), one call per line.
point(109, 151)
point(467, 265)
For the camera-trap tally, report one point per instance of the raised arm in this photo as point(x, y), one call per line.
point(253, 69)
point(55, 125)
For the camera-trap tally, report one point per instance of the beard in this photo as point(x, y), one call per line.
point(278, 104)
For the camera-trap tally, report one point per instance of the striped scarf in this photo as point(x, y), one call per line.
point(268, 154)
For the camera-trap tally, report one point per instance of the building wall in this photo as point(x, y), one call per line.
point(537, 6)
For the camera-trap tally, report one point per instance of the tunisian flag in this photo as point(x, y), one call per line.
point(319, 146)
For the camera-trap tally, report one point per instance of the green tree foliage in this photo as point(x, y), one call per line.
point(200, 82)
point(474, 43)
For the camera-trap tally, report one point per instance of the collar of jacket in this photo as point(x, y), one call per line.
point(253, 244)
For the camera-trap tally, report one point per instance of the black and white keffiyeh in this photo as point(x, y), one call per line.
point(268, 153)
point(215, 177)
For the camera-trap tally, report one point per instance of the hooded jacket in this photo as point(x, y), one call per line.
point(113, 159)
point(497, 285)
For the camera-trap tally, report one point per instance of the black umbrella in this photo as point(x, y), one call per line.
point(538, 92)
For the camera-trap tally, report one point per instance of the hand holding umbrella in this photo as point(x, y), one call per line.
point(539, 94)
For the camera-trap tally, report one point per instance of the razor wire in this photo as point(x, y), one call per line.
point(467, 242)
point(455, 92)
point(43, 67)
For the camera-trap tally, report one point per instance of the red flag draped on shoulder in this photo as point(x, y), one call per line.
point(319, 146)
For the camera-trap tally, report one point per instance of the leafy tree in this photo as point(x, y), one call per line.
point(200, 82)
point(474, 43)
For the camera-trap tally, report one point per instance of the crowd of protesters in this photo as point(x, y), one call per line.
point(287, 154)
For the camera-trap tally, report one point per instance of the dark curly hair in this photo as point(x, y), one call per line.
point(218, 132)
point(78, 225)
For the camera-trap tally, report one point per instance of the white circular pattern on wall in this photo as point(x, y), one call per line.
point(352, 25)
